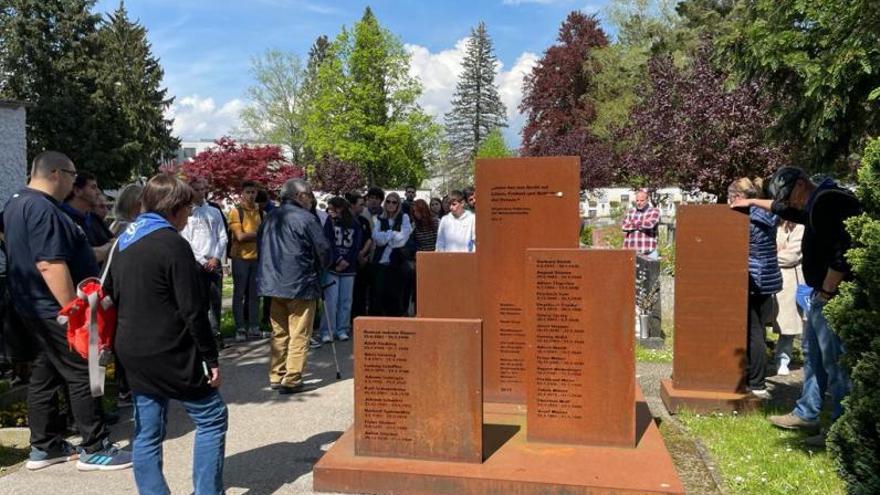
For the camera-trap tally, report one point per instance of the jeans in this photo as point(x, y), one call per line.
point(54, 368)
point(822, 350)
point(244, 294)
point(337, 304)
point(784, 349)
point(150, 417)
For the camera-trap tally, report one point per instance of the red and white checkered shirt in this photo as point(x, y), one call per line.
point(640, 229)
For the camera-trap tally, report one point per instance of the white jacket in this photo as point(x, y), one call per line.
point(457, 234)
point(206, 233)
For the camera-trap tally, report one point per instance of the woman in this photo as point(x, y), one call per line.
point(391, 231)
point(346, 239)
point(424, 234)
point(163, 337)
point(789, 322)
point(765, 280)
point(127, 207)
point(436, 208)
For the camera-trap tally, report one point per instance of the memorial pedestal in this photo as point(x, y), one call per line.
point(511, 465)
point(705, 400)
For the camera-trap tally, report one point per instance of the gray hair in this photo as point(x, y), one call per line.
point(128, 203)
point(293, 187)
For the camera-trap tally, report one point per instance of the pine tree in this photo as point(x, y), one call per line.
point(476, 107)
point(132, 93)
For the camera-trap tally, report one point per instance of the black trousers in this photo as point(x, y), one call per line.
point(387, 291)
point(761, 314)
point(54, 368)
point(214, 287)
point(362, 282)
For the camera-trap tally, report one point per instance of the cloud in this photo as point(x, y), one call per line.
point(439, 74)
point(200, 118)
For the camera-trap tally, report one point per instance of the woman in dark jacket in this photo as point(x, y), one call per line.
point(765, 279)
point(163, 337)
point(391, 231)
point(346, 239)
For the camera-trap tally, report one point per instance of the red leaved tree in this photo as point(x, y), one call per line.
point(227, 165)
point(337, 177)
point(690, 131)
point(558, 115)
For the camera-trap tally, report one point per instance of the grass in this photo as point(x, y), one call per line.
point(754, 457)
point(646, 355)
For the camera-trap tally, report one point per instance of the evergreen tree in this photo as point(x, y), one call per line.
point(476, 107)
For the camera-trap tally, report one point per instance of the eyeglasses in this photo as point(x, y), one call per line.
point(71, 173)
point(392, 202)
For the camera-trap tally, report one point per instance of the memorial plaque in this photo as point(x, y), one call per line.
point(711, 298)
point(581, 372)
point(521, 203)
point(418, 389)
point(445, 285)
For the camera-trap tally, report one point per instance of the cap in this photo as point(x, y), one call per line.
point(783, 181)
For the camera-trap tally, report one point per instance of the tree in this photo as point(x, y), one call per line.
point(227, 165)
point(855, 316)
point(277, 102)
point(691, 132)
point(494, 146)
point(823, 54)
point(337, 177)
point(133, 95)
point(364, 109)
point(554, 99)
point(476, 107)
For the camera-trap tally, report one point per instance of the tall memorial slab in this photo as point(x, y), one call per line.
point(418, 389)
point(581, 360)
point(711, 300)
point(444, 283)
point(521, 203)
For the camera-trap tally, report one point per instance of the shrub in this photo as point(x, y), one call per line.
point(855, 315)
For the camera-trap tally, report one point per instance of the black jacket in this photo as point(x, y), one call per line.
point(162, 334)
point(826, 240)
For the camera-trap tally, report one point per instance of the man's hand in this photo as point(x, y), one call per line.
point(214, 380)
point(211, 265)
point(341, 266)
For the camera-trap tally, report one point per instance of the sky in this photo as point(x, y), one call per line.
point(206, 46)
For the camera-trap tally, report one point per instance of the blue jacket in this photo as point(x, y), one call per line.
point(292, 251)
point(764, 274)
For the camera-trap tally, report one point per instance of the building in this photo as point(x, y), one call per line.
point(13, 147)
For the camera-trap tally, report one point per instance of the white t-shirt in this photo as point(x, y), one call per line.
point(457, 235)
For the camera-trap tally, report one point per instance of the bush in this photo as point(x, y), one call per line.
point(855, 315)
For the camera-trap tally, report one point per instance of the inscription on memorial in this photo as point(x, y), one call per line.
point(581, 361)
point(418, 390)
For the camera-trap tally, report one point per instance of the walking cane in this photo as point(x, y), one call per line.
point(331, 329)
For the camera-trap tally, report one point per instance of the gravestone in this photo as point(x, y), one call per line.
point(521, 203)
point(711, 299)
point(445, 285)
point(581, 359)
point(418, 389)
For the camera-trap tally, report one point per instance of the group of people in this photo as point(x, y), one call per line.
point(162, 259)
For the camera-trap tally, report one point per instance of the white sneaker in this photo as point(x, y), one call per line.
point(342, 336)
point(761, 394)
point(266, 335)
point(240, 335)
point(326, 339)
point(783, 371)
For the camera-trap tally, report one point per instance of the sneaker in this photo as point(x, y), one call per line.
point(783, 371)
point(326, 339)
point(266, 334)
point(314, 343)
point(110, 458)
point(39, 459)
point(817, 441)
point(123, 399)
point(342, 337)
point(254, 332)
point(240, 335)
point(292, 389)
point(274, 386)
point(792, 421)
point(762, 394)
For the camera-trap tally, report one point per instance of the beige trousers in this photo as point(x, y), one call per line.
point(291, 328)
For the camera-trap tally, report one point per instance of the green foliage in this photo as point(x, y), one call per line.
point(364, 108)
point(855, 316)
point(494, 146)
point(586, 237)
point(14, 415)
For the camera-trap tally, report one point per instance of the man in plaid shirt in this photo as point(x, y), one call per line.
point(640, 227)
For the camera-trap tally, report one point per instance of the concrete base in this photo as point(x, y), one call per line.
point(511, 465)
point(705, 401)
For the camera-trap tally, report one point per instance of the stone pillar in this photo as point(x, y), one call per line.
point(13, 148)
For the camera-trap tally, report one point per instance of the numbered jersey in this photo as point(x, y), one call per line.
point(346, 242)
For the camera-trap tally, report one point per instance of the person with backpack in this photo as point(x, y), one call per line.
point(48, 256)
point(391, 231)
point(244, 223)
point(822, 209)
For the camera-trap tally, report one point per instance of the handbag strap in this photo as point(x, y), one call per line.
point(106, 270)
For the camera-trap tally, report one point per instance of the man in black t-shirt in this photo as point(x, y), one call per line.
point(48, 256)
point(81, 205)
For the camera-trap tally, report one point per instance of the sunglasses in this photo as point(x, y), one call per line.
point(392, 202)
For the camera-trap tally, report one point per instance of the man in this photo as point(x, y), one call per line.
point(102, 209)
point(80, 206)
point(244, 222)
point(362, 277)
point(822, 209)
point(293, 252)
point(456, 232)
point(471, 195)
point(640, 226)
point(206, 233)
point(48, 256)
point(409, 196)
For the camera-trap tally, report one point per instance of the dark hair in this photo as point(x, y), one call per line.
point(410, 187)
point(262, 196)
point(457, 195)
point(82, 179)
point(781, 185)
point(346, 218)
point(166, 195)
point(375, 192)
point(353, 197)
point(48, 161)
point(421, 214)
point(248, 183)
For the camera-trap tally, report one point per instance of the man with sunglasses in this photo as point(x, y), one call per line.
point(456, 232)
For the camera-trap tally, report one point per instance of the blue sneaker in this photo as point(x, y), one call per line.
point(110, 458)
point(40, 459)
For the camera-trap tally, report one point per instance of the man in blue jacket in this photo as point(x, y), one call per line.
point(292, 252)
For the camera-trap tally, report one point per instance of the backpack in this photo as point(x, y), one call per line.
point(91, 326)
